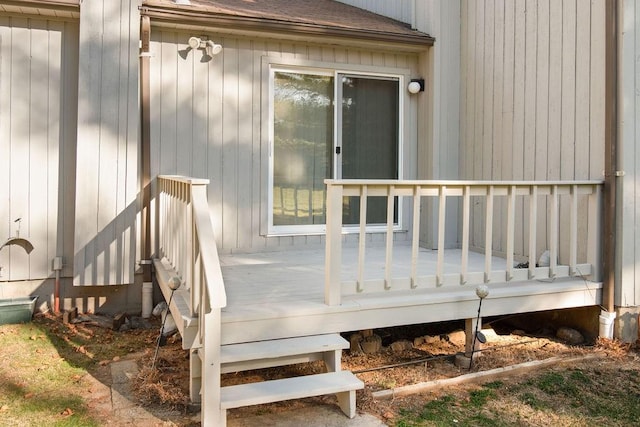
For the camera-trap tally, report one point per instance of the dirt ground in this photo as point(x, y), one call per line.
point(419, 354)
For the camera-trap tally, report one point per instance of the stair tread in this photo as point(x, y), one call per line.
point(280, 348)
point(289, 388)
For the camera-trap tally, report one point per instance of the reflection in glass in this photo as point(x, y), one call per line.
point(303, 144)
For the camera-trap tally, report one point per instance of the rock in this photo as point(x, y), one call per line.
point(570, 335)
point(418, 341)
point(119, 320)
point(69, 315)
point(400, 346)
point(462, 361)
point(371, 344)
point(366, 333)
point(355, 341)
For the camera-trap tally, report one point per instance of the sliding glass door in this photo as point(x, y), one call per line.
point(368, 139)
point(320, 130)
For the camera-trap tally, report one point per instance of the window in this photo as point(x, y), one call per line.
point(329, 125)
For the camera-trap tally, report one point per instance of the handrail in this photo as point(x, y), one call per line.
point(191, 193)
point(512, 193)
point(187, 241)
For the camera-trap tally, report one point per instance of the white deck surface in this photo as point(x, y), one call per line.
point(276, 277)
point(274, 295)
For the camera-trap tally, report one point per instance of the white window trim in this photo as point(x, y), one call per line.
point(322, 69)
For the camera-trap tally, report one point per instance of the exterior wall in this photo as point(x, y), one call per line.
point(532, 78)
point(210, 120)
point(400, 10)
point(107, 200)
point(38, 83)
point(627, 272)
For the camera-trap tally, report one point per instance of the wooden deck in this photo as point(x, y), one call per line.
point(281, 294)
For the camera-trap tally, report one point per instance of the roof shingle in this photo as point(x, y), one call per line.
point(311, 13)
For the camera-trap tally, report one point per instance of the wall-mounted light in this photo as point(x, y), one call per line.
point(415, 86)
point(210, 47)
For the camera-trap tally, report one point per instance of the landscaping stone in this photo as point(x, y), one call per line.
point(570, 335)
point(400, 346)
point(371, 344)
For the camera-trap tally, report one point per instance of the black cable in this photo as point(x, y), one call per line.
point(155, 356)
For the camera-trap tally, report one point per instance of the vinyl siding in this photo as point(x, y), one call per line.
point(532, 85)
point(628, 273)
point(38, 64)
point(210, 120)
point(106, 227)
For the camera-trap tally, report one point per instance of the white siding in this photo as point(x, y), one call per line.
point(210, 120)
point(37, 120)
point(107, 168)
point(400, 10)
point(628, 273)
point(532, 90)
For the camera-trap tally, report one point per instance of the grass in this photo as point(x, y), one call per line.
point(575, 396)
point(43, 382)
point(34, 381)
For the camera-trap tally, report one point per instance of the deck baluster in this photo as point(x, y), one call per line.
point(389, 252)
point(553, 232)
point(415, 241)
point(466, 209)
point(533, 221)
point(362, 237)
point(511, 218)
point(442, 214)
point(488, 240)
point(573, 224)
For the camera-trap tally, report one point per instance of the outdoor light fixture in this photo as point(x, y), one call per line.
point(482, 292)
point(415, 86)
point(210, 47)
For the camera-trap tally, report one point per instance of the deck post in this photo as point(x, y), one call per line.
point(212, 413)
point(333, 244)
point(594, 245)
point(470, 326)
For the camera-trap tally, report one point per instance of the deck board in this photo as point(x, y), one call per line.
point(272, 295)
point(274, 277)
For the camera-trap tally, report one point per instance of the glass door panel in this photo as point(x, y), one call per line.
point(302, 147)
point(369, 140)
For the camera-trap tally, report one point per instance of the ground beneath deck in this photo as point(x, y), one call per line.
point(432, 345)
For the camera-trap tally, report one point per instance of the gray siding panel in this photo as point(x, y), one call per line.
point(400, 10)
point(36, 73)
point(210, 120)
point(531, 79)
point(105, 246)
point(628, 272)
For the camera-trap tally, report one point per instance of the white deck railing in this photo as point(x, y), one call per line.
point(461, 192)
point(187, 241)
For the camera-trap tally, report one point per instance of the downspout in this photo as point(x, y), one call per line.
point(145, 152)
point(611, 172)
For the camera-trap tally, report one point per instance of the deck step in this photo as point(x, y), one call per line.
point(342, 383)
point(288, 351)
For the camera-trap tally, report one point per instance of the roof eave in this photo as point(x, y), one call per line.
point(186, 18)
point(56, 8)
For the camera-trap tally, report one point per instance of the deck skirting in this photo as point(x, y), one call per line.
point(386, 309)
